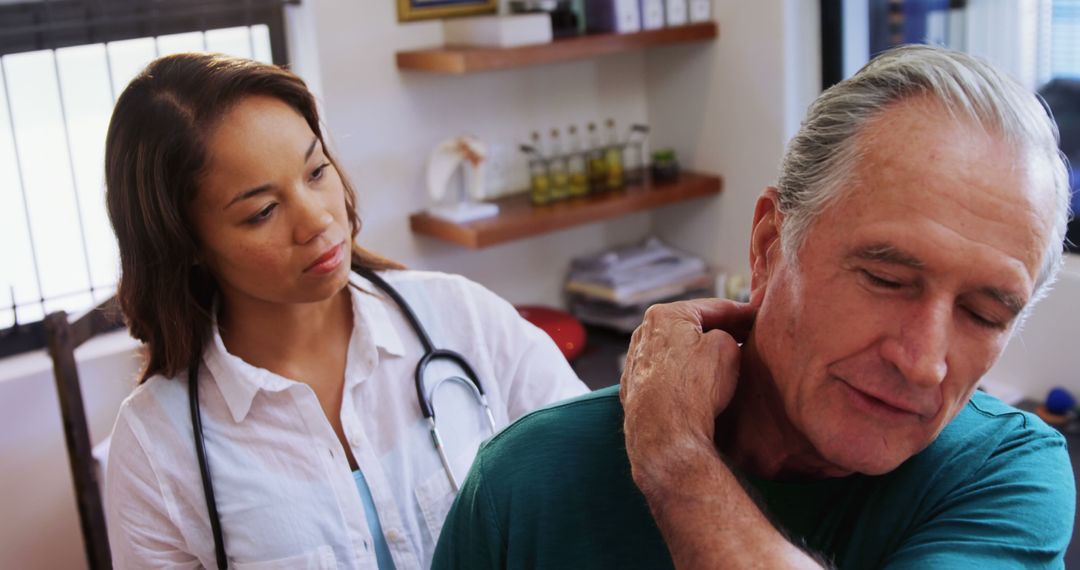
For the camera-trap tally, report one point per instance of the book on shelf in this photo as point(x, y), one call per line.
point(614, 288)
point(636, 274)
point(623, 297)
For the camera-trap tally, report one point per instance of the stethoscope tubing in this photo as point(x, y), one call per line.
point(204, 465)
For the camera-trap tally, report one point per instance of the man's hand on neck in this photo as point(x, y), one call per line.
point(682, 371)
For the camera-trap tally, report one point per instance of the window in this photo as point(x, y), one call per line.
point(62, 66)
point(1064, 34)
point(1060, 60)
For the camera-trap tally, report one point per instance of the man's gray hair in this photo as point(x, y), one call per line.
point(822, 156)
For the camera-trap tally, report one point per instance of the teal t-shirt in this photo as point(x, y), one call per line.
point(995, 490)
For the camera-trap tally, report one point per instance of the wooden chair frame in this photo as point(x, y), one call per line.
point(64, 337)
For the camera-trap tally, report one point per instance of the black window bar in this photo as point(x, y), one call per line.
point(52, 24)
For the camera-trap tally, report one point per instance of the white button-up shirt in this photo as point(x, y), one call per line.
point(285, 493)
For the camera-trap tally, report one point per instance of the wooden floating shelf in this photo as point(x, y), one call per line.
point(461, 60)
point(519, 219)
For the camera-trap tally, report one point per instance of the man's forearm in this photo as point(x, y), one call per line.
point(708, 520)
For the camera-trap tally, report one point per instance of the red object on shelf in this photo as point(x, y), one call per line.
point(562, 327)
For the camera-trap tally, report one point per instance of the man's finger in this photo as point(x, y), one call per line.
point(734, 318)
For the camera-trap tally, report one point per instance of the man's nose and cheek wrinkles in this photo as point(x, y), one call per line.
point(916, 350)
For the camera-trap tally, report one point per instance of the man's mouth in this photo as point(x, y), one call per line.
point(883, 403)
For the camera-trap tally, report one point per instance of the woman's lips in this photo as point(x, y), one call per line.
point(328, 261)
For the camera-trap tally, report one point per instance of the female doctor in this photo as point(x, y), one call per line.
point(279, 422)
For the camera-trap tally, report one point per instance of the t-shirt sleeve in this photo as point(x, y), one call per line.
point(1016, 511)
point(471, 536)
point(532, 370)
point(142, 533)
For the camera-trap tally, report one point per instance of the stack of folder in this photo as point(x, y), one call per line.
point(614, 288)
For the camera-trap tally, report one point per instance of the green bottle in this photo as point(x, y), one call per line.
point(575, 165)
point(597, 163)
point(560, 178)
point(539, 181)
point(613, 157)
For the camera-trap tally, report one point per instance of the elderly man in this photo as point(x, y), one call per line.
point(833, 420)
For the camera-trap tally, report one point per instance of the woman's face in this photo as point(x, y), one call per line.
point(270, 209)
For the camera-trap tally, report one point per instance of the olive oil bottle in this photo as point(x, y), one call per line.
point(613, 158)
point(539, 180)
point(598, 176)
point(576, 165)
point(557, 171)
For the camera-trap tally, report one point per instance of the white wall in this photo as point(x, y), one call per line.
point(731, 110)
point(385, 122)
point(1043, 354)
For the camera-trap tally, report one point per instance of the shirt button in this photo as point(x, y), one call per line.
point(392, 535)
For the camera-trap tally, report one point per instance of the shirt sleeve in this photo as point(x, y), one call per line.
point(1016, 511)
point(141, 532)
point(532, 370)
point(471, 536)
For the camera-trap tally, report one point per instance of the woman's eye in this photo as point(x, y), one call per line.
point(882, 282)
point(262, 215)
point(318, 172)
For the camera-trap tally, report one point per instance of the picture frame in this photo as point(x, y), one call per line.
point(414, 10)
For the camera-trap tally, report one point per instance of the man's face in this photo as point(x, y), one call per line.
point(906, 289)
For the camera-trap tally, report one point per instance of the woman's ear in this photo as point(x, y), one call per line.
point(764, 243)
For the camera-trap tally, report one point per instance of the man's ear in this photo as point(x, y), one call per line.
point(764, 243)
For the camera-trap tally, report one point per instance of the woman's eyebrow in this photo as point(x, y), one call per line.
point(264, 187)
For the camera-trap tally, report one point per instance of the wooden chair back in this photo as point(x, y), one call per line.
point(64, 336)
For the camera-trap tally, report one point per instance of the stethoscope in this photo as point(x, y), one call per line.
point(425, 399)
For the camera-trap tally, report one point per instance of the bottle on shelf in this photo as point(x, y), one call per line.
point(634, 167)
point(613, 158)
point(557, 170)
point(576, 164)
point(597, 163)
point(539, 180)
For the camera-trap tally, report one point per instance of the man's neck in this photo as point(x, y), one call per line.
point(754, 432)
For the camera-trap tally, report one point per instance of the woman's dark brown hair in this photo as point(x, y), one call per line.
point(154, 159)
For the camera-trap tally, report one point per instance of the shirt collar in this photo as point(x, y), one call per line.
point(239, 381)
point(370, 307)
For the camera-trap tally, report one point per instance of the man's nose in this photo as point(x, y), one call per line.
point(919, 346)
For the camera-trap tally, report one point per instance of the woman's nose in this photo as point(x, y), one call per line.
point(314, 219)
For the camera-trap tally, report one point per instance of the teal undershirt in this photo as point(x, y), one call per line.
point(554, 490)
point(382, 550)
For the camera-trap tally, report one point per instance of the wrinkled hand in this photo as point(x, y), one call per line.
point(681, 371)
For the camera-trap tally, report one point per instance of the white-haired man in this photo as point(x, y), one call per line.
point(832, 421)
